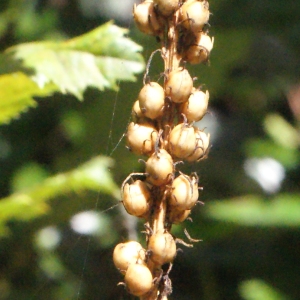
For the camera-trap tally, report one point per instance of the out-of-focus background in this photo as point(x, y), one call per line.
point(250, 223)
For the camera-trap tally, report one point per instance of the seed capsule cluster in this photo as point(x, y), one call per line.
point(163, 130)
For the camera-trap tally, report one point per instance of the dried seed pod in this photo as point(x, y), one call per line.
point(159, 168)
point(128, 253)
point(141, 138)
point(136, 112)
point(145, 18)
point(185, 192)
point(179, 85)
point(202, 147)
point(152, 100)
point(196, 107)
point(162, 247)
point(177, 216)
point(138, 279)
point(199, 51)
point(136, 198)
point(194, 14)
point(167, 7)
point(182, 140)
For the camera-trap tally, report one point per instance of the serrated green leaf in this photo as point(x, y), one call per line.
point(16, 95)
point(33, 202)
point(97, 59)
point(251, 210)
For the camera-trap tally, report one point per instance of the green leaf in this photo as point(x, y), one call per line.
point(33, 202)
point(96, 59)
point(251, 210)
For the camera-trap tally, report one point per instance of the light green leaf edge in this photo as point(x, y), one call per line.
point(100, 59)
point(281, 211)
point(32, 203)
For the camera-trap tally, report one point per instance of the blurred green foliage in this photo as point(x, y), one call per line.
point(51, 171)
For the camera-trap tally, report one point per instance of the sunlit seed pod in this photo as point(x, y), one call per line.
point(167, 7)
point(138, 279)
point(162, 247)
point(178, 216)
point(145, 18)
point(128, 253)
point(199, 51)
point(194, 14)
point(141, 138)
point(196, 106)
point(202, 147)
point(182, 140)
point(185, 192)
point(136, 198)
point(152, 100)
point(136, 112)
point(179, 85)
point(159, 168)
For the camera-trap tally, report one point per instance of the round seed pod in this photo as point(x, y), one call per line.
point(138, 279)
point(179, 85)
point(141, 138)
point(136, 112)
point(196, 107)
point(145, 18)
point(194, 14)
point(202, 147)
point(162, 247)
point(159, 168)
point(167, 7)
point(152, 100)
point(128, 253)
point(199, 52)
point(136, 198)
point(182, 140)
point(184, 193)
point(178, 216)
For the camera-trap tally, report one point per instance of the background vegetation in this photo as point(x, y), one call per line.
point(61, 162)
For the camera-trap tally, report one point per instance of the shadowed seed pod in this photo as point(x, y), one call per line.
point(138, 279)
point(162, 247)
point(176, 216)
point(194, 14)
point(146, 19)
point(152, 100)
point(166, 7)
point(179, 85)
point(159, 168)
point(202, 147)
point(199, 51)
point(185, 192)
point(196, 106)
point(182, 140)
point(141, 138)
point(128, 253)
point(136, 198)
point(136, 112)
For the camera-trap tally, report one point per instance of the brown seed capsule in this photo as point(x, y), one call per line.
point(196, 107)
point(179, 85)
point(136, 112)
point(159, 168)
point(202, 147)
point(136, 198)
point(184, 193)
point(182, 140)
point(128, 253)
point(138, 279)
point(167, 7)
point(145, 18)
point(152, 100)
point(141, 138)
point(199, 51)
point(177, 216)
point(162, 247)
point(194, 14)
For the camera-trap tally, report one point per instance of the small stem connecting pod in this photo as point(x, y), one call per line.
point(159, 168)
point(179, 85)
